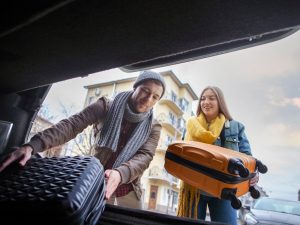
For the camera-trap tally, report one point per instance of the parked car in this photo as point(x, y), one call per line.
point(272, 211)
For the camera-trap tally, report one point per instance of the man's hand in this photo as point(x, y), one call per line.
point(22, 154)
point(254, 180)
point(113, 179)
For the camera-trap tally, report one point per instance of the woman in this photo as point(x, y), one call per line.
point(213, 125)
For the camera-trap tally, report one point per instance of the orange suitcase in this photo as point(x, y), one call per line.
point(219, 171)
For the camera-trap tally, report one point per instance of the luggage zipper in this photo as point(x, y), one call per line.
point(223, 177)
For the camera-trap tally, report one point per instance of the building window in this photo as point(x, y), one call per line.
point(184, 104)
point(172, 119)
point(173, 97)
point(169, 140)
point(91, 100)
point(97, 91)
point(181, 124)
point(175, 198)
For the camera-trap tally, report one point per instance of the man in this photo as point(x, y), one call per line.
point(126, 140)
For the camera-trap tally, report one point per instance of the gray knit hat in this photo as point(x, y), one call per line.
point(150, 75)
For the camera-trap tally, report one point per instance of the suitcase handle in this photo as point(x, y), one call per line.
point(183, 148)
point(194, 152)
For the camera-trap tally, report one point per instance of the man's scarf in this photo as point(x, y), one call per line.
point(110, 133)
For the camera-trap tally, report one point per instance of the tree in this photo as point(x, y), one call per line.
point(82, 144)
point(45, 113)
point(43, 121)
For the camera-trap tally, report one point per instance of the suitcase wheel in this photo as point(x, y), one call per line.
point(235, 202)
point(262, 168)
point(254, 192)
point(229, 194)
point(243, 172)
point(236, 166)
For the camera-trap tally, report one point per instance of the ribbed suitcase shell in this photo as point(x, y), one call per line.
point(205, 166)
point(57, 191)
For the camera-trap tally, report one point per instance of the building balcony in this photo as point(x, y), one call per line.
point(162, 147)
point(173, 104)
point(175, 182)
point(170, 125)
point(156, 173)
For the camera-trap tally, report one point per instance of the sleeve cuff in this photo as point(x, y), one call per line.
point(36, 144)
point(125, 174)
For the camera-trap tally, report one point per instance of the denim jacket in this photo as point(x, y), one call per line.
point(233, 137)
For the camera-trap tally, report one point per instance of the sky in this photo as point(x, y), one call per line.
point(262, 89)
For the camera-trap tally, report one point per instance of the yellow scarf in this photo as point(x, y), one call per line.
point(197, 130)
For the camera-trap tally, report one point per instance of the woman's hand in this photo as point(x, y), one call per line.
point(22, 155)
point(254, 180)
point(113, 179)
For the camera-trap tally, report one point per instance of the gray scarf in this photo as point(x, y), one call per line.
point(110, 133)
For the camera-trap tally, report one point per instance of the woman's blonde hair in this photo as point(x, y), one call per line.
point(221, 101)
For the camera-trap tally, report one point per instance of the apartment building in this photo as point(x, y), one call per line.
point(160, 189)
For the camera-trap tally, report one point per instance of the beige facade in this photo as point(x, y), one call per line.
point(160, 188)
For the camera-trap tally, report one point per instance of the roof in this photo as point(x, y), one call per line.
point(132, 79)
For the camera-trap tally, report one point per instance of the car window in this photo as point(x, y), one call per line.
point(261, 86)
point(282, 206)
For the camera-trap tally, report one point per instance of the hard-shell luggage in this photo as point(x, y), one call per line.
point(218, 171)
point(56, 191)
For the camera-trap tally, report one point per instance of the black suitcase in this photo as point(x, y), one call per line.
point(56, 191)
